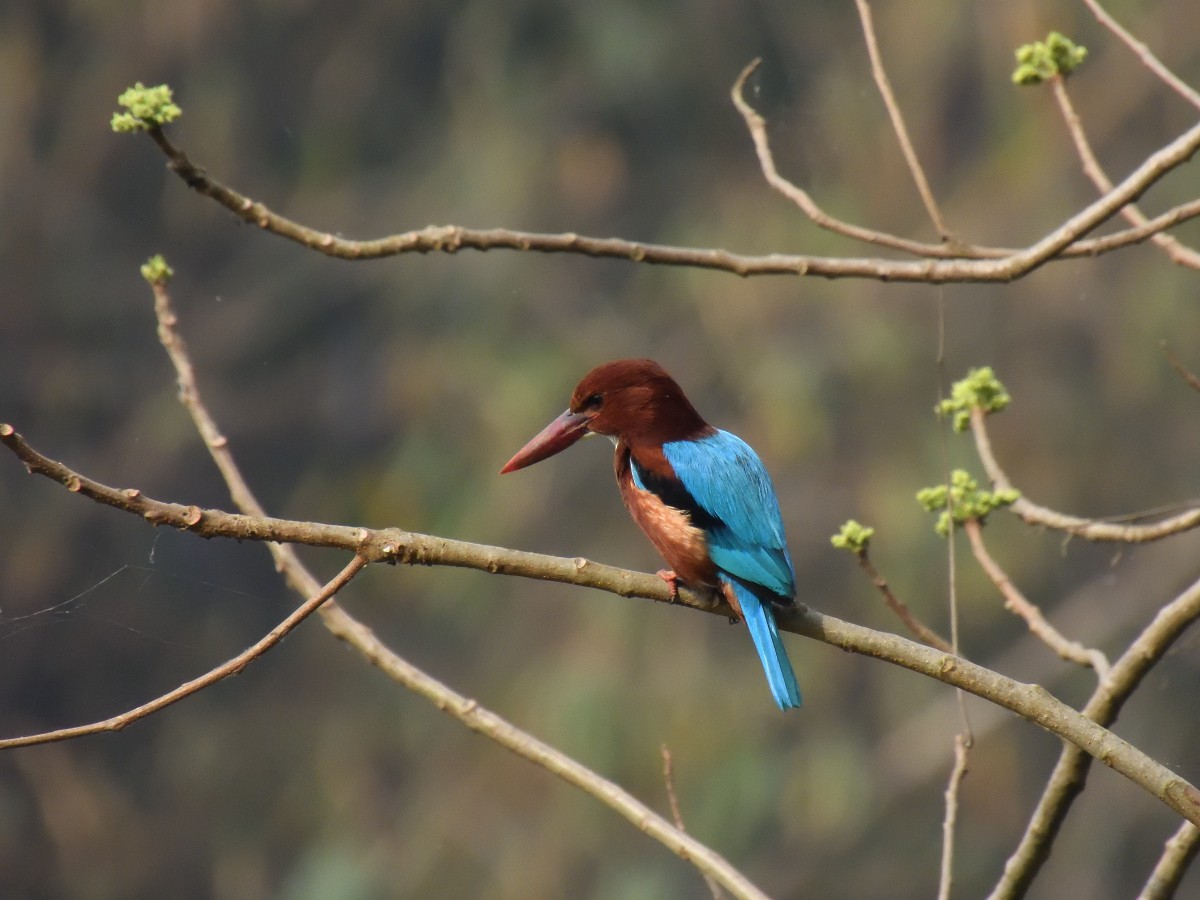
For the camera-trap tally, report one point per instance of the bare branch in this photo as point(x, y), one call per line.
point(1070, 772)
point(1149, 60)
point(393, 545)
point(1129, 236)
point(231, 667)
point(942, 265)
point(1176, 250)
point(1016, 602)
point(1090, 529)
point(1032, 701)
point(1177, 855)
point(893, 109)
point(490, 725)
point(757, 126)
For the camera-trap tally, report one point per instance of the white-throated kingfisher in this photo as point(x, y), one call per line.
point(700, 494)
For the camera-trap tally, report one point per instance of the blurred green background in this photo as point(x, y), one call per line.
point(390, 392)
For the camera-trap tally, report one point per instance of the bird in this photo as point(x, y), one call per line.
point(701, 495)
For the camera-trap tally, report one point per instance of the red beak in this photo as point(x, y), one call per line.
point(554, 438)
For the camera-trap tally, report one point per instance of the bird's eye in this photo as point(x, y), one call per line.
point(593, 402)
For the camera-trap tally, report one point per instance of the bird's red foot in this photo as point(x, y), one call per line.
point(727, 592)
point(672, 581)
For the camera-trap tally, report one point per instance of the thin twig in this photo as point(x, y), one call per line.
point(211, 677)
point(482, 721)
point(962, 744)
point(1119, 239)
point(1179, 853)
point(965, 739)
point(1177, 251)
point(1188, 376)
point(677, 814)
point(757, 126)
point(1149, 60)
point(1032, 702)
point(916, 627)
point(1017, 603)
point(893, 109)
point(1089, 529)
point(940, 265)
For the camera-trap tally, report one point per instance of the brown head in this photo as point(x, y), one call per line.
point(632, 400)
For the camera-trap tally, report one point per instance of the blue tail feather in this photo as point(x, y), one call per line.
point(761, 621)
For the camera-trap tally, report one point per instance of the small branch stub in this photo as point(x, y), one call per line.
point(1055, 57)
point(146, 108)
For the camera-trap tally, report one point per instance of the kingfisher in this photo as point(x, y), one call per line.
point(701, 495)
